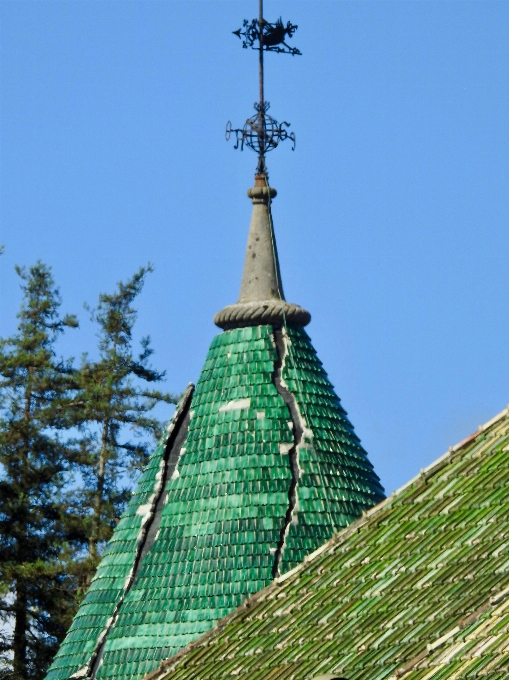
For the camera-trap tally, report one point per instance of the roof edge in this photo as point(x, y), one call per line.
point(365, 519)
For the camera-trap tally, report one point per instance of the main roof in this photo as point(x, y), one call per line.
point(260, 466)
point(418, 588)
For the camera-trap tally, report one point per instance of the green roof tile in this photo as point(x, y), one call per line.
point(230, 514)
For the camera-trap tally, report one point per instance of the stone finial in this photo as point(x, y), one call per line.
point(261, 299)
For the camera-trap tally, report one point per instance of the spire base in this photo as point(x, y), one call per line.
point(261, 312)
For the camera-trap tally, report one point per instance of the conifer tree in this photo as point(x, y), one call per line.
point(36, 592)
point(117, 425)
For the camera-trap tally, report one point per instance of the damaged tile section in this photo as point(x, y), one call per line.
point(298, 429)
point(336, 480)
point(332, 479)
point(236, 405)
point(111, 586)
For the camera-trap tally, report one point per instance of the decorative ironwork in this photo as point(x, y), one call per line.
point(273, 36)
point(261, 132)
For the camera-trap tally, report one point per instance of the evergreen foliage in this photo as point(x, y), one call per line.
point(61, 495)
point(36, 591)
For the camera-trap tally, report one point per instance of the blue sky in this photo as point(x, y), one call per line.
point(391, 215)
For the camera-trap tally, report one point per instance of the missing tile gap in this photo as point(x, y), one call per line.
point(299, 430)
point(151, 519)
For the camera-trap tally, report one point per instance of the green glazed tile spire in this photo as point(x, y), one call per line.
point(259, 467)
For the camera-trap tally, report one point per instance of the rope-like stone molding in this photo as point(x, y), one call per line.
point(261, 312)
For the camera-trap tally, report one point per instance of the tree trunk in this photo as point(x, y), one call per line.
point(19, 645)
point(98, 500)
point(21, 624)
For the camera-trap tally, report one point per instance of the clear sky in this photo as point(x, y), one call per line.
point(391, 217)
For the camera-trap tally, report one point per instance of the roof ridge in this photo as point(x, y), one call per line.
point(366, 519)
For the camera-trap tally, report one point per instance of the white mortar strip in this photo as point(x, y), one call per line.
point(306, 432)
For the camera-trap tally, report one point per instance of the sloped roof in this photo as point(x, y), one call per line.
point(418, 588)
point(259, 470)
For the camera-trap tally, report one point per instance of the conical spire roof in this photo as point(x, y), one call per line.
point(260, 465)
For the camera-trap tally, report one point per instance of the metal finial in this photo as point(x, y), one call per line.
point(261, 132)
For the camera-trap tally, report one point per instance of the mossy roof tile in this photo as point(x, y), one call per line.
point(416, 589)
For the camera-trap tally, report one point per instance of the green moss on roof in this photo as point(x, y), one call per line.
point(417, 589)
point(228, 506)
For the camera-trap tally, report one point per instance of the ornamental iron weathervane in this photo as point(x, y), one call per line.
point(261, 132)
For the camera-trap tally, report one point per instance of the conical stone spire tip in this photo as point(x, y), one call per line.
point(261, 299)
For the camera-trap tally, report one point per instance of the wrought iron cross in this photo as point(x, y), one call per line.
point(262, 133)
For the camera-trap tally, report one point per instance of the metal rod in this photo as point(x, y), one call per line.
point(261, 132)
point(260, 26)
point(261, 114)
